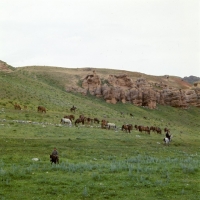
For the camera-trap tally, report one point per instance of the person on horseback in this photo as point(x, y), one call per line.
point(55, 153)
point(168, 135)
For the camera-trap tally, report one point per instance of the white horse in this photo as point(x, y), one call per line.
point(111, 125)
point(167, 140)
point(65, 120)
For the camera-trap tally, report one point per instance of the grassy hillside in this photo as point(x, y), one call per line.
point(95, 163)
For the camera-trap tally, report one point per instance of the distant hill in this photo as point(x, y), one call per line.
point(41, 85)
point(5, 67)
point(191, 79)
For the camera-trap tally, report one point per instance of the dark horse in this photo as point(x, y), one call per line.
point(41, 109)
point(54, 159)
point(96, 120)
point(127, 127)
point(73, 109)
point(79, 120)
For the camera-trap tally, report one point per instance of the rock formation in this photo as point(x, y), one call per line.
point(121, 88)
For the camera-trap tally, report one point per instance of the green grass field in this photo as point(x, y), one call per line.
point(94, 163)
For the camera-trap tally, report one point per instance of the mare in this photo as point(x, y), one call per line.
point(65, 120)
point(79, 120)
point(144, 128)
point(88, 120)
point(103, 123)
point(17, 107)
point(127, 127)
point(136, 127)
point(158, 130)
point(111, 125)
point(54, 159)
point(166, 130)
point(153, 128)
point(41, 109)
point(96, 120)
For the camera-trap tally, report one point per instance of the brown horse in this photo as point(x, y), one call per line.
point(54, 159)
point(166, 130)
point(96, 120)
point(104, 123)
point(41, 109)
point(88, 120)
point(17, 107)
point(158, 130)
point(127, 127)
point(79, 120)
point(144, 128)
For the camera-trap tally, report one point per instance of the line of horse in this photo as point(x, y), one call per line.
point(41, 109)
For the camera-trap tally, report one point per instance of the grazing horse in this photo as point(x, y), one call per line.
point(167, 140)
point(96, 120)
point(166, 130)
point(41, 109)
point(158, 130)
point(79, 120)
point(144, 128)
point(111, 125)
point(153, 128)
point(54, 159)
point(136, 127)
point(17, 107)
point(88, 120)
point(103, 123)
point(65, 120)
point(73, 109)
point(71, 117)
point(127, 127)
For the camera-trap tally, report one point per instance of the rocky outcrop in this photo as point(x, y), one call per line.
point(140, 92)
point(172, 97)
point(193, 97)
point(120, 80)
point(91, 82)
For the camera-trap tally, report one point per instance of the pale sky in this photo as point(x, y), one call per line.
point(155, 37)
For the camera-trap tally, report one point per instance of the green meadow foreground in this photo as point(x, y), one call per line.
point(97, 163)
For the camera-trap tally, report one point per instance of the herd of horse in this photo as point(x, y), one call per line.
point(69, 119)
point(108, 125)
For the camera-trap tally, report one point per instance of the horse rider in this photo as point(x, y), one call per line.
point(54, 152)
point(168, 135)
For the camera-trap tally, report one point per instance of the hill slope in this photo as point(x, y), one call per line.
point(34, 86)
point(118, 85)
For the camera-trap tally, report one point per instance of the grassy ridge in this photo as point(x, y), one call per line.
point(94, 163)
